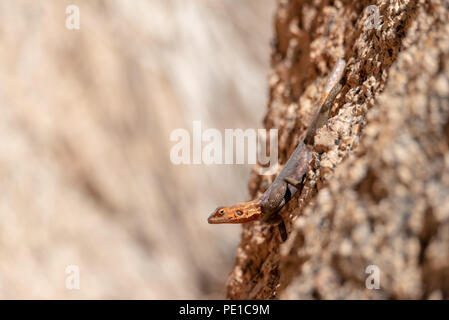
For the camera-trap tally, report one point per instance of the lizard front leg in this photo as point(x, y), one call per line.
point(273, 217)
point(276, 219)
point(288, 186)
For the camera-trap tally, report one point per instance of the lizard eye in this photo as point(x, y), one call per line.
point(239, 213)
point(222, 212)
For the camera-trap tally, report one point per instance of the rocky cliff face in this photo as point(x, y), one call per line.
point(378, 192)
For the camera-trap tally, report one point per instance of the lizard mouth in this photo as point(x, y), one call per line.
point(220, 220)
point(213, 219)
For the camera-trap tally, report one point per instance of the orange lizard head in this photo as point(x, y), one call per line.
point(239, 213)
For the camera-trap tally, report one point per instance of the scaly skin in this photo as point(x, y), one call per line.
point(239, 213)
point(273, 199)
point(289, 180)
point(267, 206)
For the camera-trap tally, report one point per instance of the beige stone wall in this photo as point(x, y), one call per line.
point(86, 116)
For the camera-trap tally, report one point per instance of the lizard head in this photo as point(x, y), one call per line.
point(239, 213)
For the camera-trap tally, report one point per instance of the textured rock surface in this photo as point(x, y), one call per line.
point(378, 195)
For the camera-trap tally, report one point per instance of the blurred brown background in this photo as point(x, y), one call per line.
point(84, 166)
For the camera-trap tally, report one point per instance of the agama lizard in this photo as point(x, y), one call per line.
point(290, 179)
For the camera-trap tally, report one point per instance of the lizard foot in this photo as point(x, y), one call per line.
point(282, 231)
point(276, 219)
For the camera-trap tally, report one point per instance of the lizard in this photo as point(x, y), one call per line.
point(290, 179)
